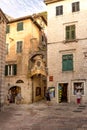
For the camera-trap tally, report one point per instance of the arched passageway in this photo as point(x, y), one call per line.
point(14, 91)
point(38, 87)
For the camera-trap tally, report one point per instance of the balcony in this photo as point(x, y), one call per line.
point(37, 66)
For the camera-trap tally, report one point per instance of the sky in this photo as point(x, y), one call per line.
point(20, 8)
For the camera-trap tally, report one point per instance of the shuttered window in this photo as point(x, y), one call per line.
point(19, 47)
point(67, 62)
point(70, 32)
point(75, 6)
point(6, 70)
point(59, 10)
point(14, 69)
point(20, 26)
point(10, 70)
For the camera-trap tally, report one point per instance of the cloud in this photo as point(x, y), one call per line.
point(19, 8)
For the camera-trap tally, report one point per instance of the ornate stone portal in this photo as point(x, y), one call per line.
point(37, 71)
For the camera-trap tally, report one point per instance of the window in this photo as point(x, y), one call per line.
point(78, 86)
point(59, 10)
point(67, 62)
point(10, 70)
point(70, 32)
point(7, 47)
point(19, 47)
point(20, 26)
point(8, 29)
point(75, 7)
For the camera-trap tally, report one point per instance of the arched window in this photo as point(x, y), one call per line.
point(19, 81)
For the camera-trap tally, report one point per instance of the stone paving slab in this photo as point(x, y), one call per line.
point(40, 116)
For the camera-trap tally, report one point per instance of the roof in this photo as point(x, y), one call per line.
point(28, 17)
point(51, 1)
point(4, 16)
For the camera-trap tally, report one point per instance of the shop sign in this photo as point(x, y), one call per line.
point(50, 78)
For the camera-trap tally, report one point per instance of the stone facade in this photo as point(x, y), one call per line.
point(3, 21)
point(66, 82)
point(29, 38)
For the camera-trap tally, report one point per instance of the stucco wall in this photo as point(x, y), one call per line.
point(57, 46)
point(29, 32)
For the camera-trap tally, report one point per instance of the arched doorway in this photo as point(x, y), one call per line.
point(14, 91)
point(38, 87)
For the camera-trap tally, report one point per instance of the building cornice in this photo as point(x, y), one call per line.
point(25, 18)
point(51, 1)
point(31, 17)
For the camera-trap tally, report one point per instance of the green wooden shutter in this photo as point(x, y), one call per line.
point(8, 29)
point(70, 32)
point(67, 62)
point(14, 69)
point(67, 32)
point(19, 46)
point(6, 70)
point(64, 62)
point(70, 62)
point(20, 26)
point(73, 32)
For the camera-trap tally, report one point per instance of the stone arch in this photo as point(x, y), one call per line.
point(14, 91)
point(19, 81)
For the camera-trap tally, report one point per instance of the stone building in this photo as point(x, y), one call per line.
point(25, 69)
point(3, 21)
point(67, 48)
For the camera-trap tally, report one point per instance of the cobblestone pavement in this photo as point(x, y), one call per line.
point(40, 116)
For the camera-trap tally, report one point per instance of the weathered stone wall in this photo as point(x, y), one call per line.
point(2, 57)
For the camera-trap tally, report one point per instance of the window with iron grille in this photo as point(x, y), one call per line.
point(59, 10)
point(70, 32)
point(19, 46)
point(20, 26)
point(10, 70)
point(75, 6)
point(67, 62)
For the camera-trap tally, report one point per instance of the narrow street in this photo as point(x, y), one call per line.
point(40, 116)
